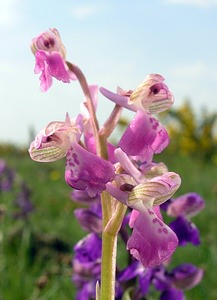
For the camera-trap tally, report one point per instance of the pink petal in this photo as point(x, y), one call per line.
point(144, 137)
point(87, 171)
point(51, 64)
point(152, 241)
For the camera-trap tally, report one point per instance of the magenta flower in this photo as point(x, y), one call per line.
point(50, 58)
point(53, 142)
point(151, 95)
point(152, 241)
point(86, 171)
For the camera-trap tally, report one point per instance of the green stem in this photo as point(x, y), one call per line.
point(113, 214)
point(109, 252)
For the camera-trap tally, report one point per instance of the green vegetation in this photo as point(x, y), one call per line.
point(36, 252)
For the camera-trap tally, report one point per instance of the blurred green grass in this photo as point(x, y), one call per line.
point(35, 257)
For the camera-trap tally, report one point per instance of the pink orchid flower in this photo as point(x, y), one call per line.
point(53, 142)
point(152, 241)
point(50, 56)
point(151, 95)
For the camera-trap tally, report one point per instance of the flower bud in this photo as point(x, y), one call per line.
point(48, 41)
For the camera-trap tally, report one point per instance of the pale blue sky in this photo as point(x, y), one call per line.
point(114, 43)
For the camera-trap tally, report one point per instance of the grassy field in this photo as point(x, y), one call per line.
point(35, 257)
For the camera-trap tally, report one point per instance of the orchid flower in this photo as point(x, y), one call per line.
point(144, 136)
point(50, 55)
point(184, 208)
point(151, 95)
point(53, 142)
point(152, 241)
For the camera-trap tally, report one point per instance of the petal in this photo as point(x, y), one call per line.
point(155, 191)
point(188, 205)
point(86, 171)
point(186, 231)
point(51, 65)
point(57, 67)
point(118, 99)
point(90, 219)
point(82, 197)
point(49, 153)
point(87, 255)
point(145, 281)
point(144, 136)
point(186, 276)
point(152, 241)
point(172, 294)
point(131, 271)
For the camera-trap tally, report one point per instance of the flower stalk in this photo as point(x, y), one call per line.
point(113, 214)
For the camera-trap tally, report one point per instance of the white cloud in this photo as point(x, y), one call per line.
point(86, 10)
point(201, 3)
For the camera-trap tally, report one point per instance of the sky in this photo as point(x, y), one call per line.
point(115, 43)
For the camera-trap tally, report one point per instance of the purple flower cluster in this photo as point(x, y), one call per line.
point(135, 278)
point(113, 178)
point(7, 176)
point(19, 191)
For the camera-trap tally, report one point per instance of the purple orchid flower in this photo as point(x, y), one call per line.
point(50, 57)
point(186, 231)
point(152, 241)
point(90, 218)
point(151, 95)
point(172, 294)
point(23, 202)
point(53, 142)
point(7, 176)
point(183, 208)
point(186, 205)
point(87, 265)
point(173, 283)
